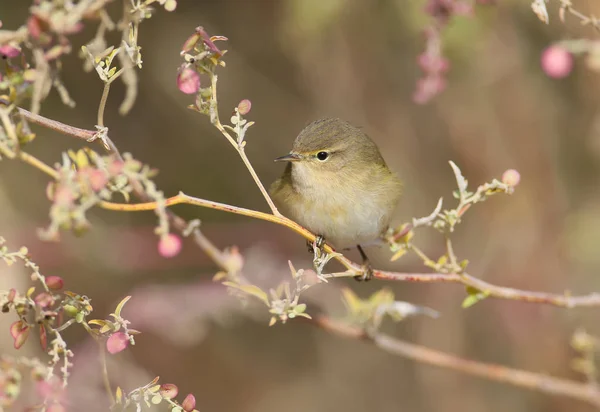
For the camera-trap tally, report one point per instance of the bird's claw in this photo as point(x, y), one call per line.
point(366, 273)
point(318, 243)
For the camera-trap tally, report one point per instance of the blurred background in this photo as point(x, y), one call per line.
point(298, 60)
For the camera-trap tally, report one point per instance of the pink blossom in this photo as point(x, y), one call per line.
point(9, 51)
point(117, 342)
point(54, 282)
point(188, 81)
point(168, 390)
point(169, 245)
point(244, 107)
point(556, 62)
point(511, 177)
point(189, 403)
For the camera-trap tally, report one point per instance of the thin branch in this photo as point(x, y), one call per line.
point(238, 147)
point(102, 105)
point(529, 380)
point(564, 300)
point(10, 132)
point(65, 129)
point(105, 376)
point(561, 300)
point(567, 5)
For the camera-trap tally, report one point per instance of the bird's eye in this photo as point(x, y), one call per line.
point(322, 156)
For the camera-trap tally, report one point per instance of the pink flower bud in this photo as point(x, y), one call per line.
point(117, 342)
point(169, 245)
point(115, 167)
point(168, 390)
point(188, 81)
point(511, 177)
point(19, 331)
point(54, 282)
point(9, 51)
point(189, 403)
point(191, 42)
point(556, 62)
point(244, 107)
point(34, 27)
point(98, 179)
point(44, 299)
point(64, 196)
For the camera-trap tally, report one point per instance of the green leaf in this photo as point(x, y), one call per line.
point(401, 252)
point(120, 306)
point(475, 295)
point(300, 308)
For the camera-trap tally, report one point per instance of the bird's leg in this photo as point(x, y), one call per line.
point(318, 243)
point(366, 264)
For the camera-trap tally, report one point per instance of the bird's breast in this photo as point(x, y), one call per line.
point(345, 212)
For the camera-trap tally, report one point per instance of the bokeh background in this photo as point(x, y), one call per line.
point(298, 60)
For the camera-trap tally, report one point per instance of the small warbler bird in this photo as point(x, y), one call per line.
point(338, 186)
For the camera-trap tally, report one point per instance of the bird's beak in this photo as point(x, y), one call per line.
point(292, 157)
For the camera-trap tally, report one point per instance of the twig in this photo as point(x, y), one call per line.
point(567, 5)
point(103, 101)
point(561, 300)
point(564, 300)
point(105, 376)
point(238, 147)
point(535, 381)
point(56, 126)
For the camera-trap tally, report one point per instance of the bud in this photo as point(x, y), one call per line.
point(9, 51)
point(511, 177)
point(189, 403)
point(54, 282)
point(169, 245)
point(188, 81)
point(557, 62)
point(168, 390)
point(117, 342)
point(244, 107)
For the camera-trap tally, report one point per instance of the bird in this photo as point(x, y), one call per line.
point(337, 185)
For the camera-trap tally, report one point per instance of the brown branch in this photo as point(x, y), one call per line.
point(567, 6)
point(561, 300)
point(57, 126)
point(564, 300)
point(582, 391)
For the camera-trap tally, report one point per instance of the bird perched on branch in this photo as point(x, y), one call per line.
point(338, 186)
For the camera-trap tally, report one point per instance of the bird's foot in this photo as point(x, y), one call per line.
point(317, 244)
point(366, 274)
point(367, 269)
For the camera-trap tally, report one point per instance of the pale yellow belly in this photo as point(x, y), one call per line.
point(343, 222)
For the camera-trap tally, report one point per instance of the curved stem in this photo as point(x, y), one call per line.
point(214, 113)
point(535, 381)
point(102, 105)
point(105, 376)
point(562, 300)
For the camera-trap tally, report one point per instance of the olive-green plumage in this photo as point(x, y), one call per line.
point(336, 184)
